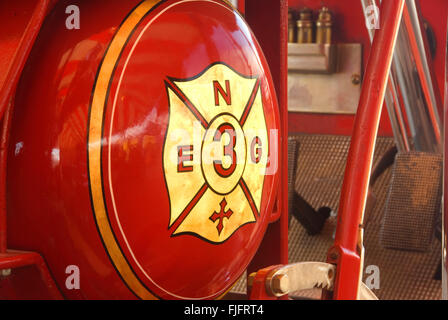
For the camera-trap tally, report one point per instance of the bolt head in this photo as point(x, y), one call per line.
point(356, 79)
point(5, 272)
point(280, 284)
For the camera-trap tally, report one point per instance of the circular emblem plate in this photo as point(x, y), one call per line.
point(182, 149)
point(223, 163)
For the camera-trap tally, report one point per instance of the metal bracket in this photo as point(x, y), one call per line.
point(302, 276)
point(324, 78)
point(312, 57)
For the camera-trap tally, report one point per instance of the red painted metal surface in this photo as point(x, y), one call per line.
point(16, 46)
point(445, 175)
point(14, 259)
point(20, 49)
point(6, 126)
point(257, 291)
point(241, 6)
point(52, 204)
point(49, 195)
point(347, 249)
point(269, 24)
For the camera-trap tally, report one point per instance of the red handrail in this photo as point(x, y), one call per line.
point(7, 92)
point(10, 259)
point(347, 250)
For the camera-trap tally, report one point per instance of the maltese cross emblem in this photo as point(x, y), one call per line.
point(215, 153)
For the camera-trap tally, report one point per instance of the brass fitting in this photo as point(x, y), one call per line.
point(324, 25)
point(292, 27)
point(305, 26)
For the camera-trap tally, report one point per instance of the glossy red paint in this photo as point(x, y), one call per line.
point(16, 260)
point(270, 25)
point(23, 21)
point(50, 194)
point(347, 250)
point(241, 5)
point(23, 24)
point(445, 172)
point(257, 291)
point(6, 126)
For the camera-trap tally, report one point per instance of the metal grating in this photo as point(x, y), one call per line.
point(320, 170)
point(413, 201)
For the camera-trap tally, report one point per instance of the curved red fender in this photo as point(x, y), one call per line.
point(115, 164)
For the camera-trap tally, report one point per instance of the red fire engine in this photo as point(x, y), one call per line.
point(214, 149)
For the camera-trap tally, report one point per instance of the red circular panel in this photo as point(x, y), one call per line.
point(169, 221)
point(156, 170)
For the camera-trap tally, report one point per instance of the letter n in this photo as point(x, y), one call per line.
point(218, 89)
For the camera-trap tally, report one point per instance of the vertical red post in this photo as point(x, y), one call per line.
point(347, 250)
point(4, 142)
point(7, 92)
point(445, 182)
point(241, 6)
point(268, 20)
